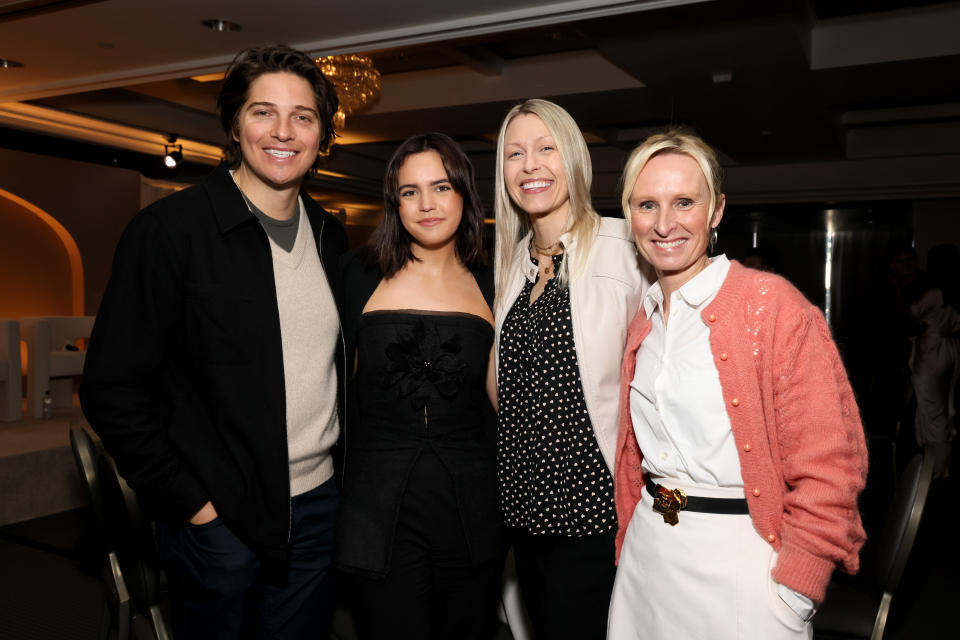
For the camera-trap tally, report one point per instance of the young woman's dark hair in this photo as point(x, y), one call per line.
point(252, 63)
point(389, 245)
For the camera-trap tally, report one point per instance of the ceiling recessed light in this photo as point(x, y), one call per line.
point(9, 64)
point(221, 25)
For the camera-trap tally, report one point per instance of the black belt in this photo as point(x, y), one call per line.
point(669, 503)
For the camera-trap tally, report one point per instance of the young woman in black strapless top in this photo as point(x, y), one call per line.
point(420, 535)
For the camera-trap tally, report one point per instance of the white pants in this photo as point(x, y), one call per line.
point(707, 578)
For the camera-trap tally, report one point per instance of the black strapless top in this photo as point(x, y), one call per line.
point(420, 384)
point(421, 373)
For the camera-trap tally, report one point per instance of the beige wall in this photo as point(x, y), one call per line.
point(93, 202)
point(35, 275)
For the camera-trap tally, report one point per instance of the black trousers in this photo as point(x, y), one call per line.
point(215, 588)
point(566, 583)
point(432, 590)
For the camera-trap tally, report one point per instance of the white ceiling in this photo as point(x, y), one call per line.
point(113, 43)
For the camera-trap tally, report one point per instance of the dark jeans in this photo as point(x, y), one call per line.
point(432, 591)
point(216, 590)
point(566, 583)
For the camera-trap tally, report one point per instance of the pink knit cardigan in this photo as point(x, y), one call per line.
point(795, 422)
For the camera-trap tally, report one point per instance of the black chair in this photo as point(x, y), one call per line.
point(115, 620)
point(859, 608)
point(131, 536)
point(85, 454)
point(115, 624)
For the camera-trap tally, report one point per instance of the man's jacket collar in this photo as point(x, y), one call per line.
point(227, 202)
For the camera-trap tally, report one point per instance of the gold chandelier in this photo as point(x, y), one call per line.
point(356, 80)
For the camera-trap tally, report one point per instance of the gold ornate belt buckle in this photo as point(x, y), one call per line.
point(668, 503)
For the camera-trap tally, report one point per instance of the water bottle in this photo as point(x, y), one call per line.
point(47, 406)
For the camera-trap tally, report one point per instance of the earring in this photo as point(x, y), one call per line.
point(713, 239)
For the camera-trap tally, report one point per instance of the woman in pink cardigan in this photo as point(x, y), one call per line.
point(740, 452)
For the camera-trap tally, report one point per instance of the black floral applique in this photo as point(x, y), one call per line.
point(419, 361)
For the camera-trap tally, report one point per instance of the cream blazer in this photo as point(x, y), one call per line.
point(605, 293)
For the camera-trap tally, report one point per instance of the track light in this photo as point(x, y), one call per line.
point(172, 155)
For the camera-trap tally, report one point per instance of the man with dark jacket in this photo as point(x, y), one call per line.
point(216, 363)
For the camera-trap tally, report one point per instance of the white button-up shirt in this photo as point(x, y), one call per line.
point(676, 402)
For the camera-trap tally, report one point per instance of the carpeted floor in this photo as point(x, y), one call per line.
point(51, 589)
point(44, 593)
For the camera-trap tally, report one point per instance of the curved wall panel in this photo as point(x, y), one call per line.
point(41, 273)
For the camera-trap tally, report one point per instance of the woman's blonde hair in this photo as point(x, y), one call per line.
point(673, 141)
point(513, 223)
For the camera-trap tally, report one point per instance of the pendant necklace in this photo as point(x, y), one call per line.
point(554, 249)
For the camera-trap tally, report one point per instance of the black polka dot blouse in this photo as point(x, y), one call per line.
point(552, 476)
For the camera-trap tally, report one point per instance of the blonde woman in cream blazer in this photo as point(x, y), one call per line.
point(604, 297)
point(568, 282)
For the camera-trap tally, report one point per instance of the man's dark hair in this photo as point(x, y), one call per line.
point(389, 245)
point(252, 63)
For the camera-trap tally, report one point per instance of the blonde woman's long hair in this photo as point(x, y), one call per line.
point(513, 223)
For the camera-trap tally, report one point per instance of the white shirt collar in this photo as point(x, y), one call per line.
point(652, 299)
point(695, 291)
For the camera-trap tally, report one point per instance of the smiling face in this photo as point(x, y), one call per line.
point(533, 168)
point(278, 129)
point(430, 209)
point(671, 219)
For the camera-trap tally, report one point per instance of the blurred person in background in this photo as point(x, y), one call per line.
point(935, 361)
point(762, 259)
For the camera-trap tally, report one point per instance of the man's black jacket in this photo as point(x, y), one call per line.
point(184, 375)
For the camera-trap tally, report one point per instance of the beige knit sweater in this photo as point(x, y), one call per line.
point(309, 329)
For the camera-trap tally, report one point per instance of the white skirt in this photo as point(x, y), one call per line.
point(707, 578)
